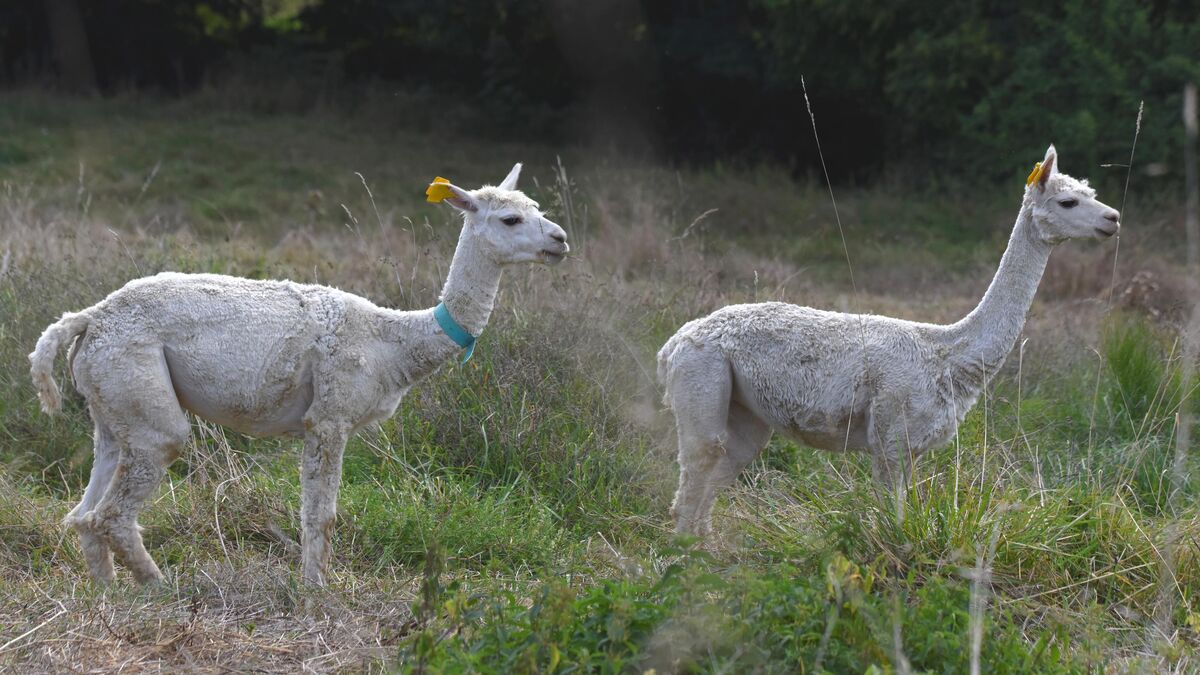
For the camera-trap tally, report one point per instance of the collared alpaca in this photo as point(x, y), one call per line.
point(839, 381)
point(266, 358)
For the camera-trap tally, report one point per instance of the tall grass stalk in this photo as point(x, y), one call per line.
point(1112, 285)
point(981, 580)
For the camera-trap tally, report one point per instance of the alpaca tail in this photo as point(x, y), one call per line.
point(48, 346)
point(665, 357)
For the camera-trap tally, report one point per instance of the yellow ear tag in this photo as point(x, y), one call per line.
point(1033, 175)
point(438, 190)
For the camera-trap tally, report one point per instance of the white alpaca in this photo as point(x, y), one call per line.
point(844, 381)
point(266, 358)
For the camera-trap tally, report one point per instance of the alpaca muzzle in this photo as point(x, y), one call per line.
point(1112, 226)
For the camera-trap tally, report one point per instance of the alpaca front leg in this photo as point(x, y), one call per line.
point(892, 471)
point(889, 471)
point(889, 440)
point(320, 477)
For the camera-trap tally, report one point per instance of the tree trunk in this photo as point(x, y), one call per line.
point(72, 54)
point(616, 70)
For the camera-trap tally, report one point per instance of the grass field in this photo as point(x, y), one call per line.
point(512, 516)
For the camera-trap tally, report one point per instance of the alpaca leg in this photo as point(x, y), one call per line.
point(700, 386)
point(888, 438)
point(746, 435)
point(140, 407)
point(891, 464)
point(95, 548)
point(889, 470)
point(320, 478)
point(139, 472)
point(697, 460)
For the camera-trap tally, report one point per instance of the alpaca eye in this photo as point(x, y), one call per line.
point(1069, 203)
point(511, 220)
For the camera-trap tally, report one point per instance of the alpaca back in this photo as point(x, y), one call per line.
point(814, 374)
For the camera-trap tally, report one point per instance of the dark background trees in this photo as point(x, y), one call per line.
point(909, 86)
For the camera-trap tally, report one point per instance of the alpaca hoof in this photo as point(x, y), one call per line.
point(149, 579)
point(103, 574)
point(692, 528)
point(104, 579)
point(313, 576)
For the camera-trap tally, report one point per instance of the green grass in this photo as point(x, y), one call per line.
point(694, 617)
point(512, 516)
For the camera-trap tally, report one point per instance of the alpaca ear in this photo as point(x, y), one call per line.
point(1049, 167)
point(510, 181)
point(462, 200)
point(442, 190)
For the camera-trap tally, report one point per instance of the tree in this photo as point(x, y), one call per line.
point(72, 54)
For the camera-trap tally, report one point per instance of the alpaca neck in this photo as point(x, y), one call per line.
point(471, 285)
point(982, 339)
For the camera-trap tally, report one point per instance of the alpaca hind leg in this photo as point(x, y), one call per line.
point(95, 548)
point(700, 385)
point(320, 478)
point(697, 460)
point(746, 436)
point(139, 472)
point(141, 408)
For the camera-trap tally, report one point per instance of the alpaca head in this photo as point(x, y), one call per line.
point(1066, 208)
point(506, 224)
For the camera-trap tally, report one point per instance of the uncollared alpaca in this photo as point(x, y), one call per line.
point(839, 381)
point(266, 358)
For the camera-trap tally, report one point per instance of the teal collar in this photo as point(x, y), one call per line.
point(454, 331)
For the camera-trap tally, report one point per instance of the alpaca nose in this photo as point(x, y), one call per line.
point(1110, 228)
point(557, 234)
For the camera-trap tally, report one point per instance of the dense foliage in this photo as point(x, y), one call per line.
point(903, 85)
